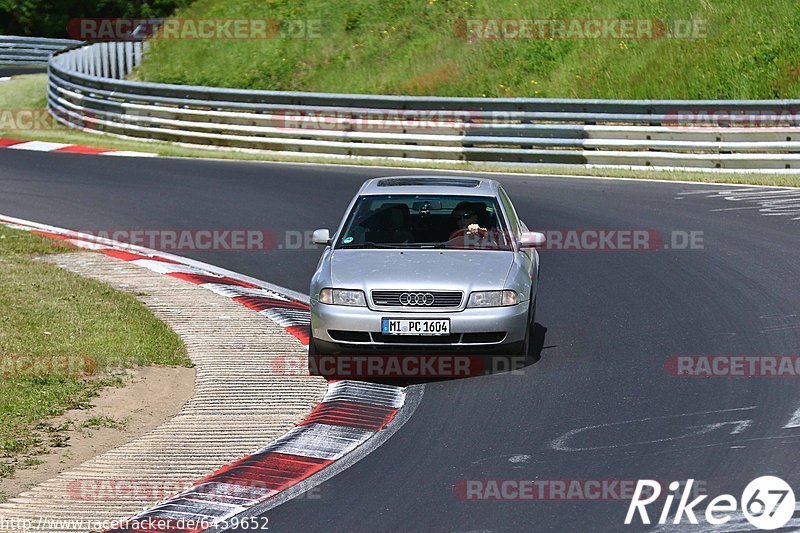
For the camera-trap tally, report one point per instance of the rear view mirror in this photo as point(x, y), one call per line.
point(532, 239)
point(426, 206)
point(321, 236)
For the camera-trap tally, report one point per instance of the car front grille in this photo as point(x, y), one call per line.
point(417, 299)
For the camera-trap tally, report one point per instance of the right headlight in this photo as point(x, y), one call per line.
point(493, 298)
point(349, 297)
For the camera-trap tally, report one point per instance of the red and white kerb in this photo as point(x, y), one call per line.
point(350, 413)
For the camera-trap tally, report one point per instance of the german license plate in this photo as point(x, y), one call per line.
point(402, 326)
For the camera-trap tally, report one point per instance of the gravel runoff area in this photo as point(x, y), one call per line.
point(241, 401)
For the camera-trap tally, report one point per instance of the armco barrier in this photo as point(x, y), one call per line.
point(87, 89)
point(23, 51)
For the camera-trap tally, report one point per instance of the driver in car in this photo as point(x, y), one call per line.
point(468, 232)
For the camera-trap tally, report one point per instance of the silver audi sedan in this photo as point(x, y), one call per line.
point(426, 262)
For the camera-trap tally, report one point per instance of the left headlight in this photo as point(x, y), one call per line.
point(343, 297)
point(493, 298)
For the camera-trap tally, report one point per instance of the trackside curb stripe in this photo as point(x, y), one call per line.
point(44, 146)
point(350, 413)
point(9, 142)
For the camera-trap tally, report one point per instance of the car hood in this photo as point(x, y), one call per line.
point(465, 270)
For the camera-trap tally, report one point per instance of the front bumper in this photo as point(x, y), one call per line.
point(470, 328)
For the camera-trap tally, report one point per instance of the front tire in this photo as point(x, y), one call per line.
point(312, 346)
point(313, 357)
point(526, 343)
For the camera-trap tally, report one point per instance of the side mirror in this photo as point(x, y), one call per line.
point(321, 236)
point(531, 239)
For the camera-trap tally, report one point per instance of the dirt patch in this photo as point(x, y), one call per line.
point(150, 396)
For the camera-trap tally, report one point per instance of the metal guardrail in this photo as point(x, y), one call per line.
point(20, 51)
point(87, 90)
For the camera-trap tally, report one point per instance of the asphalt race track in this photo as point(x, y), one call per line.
point(598, 404)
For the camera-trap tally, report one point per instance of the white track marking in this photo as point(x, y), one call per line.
point(769, 202)
point(732, 209)
point(38, 146)
point(793, 422)
point(780, 323)
point(162, 267)
point(128, 153)
point(561, 443)
point(738, 426)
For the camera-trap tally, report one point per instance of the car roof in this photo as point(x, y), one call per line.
point(455, 185)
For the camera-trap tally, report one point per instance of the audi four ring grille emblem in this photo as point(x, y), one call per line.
point(416, 298)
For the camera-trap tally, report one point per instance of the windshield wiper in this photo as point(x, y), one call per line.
point(369, 245)
point(427, 245)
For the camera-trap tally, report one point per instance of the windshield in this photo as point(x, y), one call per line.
point(425, 221)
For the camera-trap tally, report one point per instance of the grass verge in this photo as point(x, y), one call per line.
point(735, 49)
point(26, 92)
point(63, 338)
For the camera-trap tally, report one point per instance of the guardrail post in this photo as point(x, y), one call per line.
point(84, 60)
point(105, 55)
point(91, 52)
point(128, 57)
point(120, 56)
point(137, 54)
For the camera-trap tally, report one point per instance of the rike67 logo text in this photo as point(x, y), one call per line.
point(767, 502)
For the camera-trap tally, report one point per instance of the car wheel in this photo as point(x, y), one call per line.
point(526, 343)
point(312, 346)
point(313, 357)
